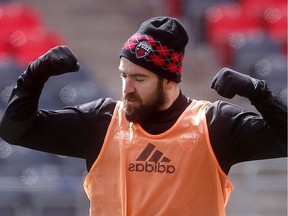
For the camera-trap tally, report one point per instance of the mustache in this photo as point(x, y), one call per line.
point(130, 96)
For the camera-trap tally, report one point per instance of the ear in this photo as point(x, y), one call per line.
point(168, 84)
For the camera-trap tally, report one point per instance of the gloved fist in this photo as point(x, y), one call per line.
point(56, 61)
point(229, 83)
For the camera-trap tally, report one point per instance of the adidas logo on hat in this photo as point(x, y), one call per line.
point(151, 160)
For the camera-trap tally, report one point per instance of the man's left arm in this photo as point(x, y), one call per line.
point(229, 83)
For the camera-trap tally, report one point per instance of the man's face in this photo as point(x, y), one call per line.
point(142, 91)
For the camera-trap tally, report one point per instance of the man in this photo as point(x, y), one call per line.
point(156, 152)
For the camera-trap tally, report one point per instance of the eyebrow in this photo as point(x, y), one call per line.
point(135, 75)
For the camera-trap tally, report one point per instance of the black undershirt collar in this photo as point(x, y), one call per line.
point(161, 121)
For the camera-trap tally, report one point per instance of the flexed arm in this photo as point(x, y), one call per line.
point(56, 61)
point(229, 83)
point(22, 123)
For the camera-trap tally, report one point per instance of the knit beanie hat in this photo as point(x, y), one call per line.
point(159, 46)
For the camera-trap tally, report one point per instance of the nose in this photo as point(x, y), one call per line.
point(128, 85)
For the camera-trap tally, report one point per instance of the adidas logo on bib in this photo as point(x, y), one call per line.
point(151, 160)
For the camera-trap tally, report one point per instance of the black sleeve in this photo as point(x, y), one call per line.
point(67, 131)
point(237, 135)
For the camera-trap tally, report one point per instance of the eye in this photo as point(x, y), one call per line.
point(139, 79)
point(123, 76)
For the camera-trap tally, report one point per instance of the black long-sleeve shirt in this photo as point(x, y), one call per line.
point(236, 135)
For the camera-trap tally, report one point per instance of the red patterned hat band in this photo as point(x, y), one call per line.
point(159, 47)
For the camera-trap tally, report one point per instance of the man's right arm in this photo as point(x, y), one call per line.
point(23, 124)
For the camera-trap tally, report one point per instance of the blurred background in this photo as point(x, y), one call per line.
point(247, 35)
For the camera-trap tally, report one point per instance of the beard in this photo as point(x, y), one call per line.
point(140, 113)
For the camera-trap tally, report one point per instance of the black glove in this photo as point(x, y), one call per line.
point(56, 61)
point(229, 83)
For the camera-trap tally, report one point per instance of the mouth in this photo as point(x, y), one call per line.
point(130, 98)
point(130, 101)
